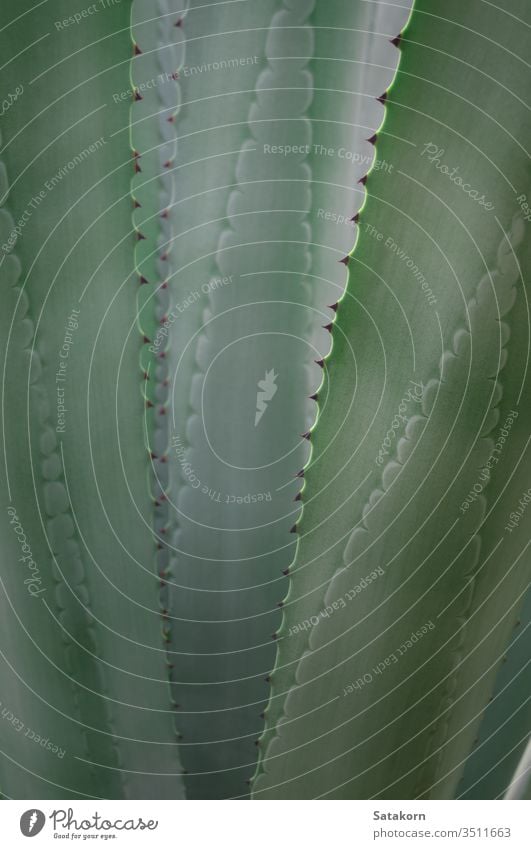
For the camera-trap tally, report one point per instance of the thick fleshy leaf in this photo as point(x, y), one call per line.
point(405, 587)
point(85, 659)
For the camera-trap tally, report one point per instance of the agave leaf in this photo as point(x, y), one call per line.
point(159, 54)
point(354, 63)
point(504, 730)
point(499, 623)
point(225, 44)
point(520, 787)
point(400, 580)
point(255, 356)
point(199, 178)
point(97, 660)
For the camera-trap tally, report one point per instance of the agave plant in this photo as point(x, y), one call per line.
point(265, 399)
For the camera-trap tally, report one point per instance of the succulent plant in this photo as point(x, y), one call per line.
point(265, 399)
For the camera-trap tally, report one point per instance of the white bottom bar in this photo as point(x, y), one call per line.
point(267, 825)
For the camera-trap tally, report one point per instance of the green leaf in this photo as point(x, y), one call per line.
point(159, 56)
point(520, 787)
point(383, 701)
point(88, 657)
point(223, 611)
point(354, 63)
point(504, 731)
point(277, 264)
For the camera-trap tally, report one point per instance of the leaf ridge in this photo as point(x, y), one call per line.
point(71, 595)
point(160, 47)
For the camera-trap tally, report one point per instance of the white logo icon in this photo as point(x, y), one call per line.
point(266, 390)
